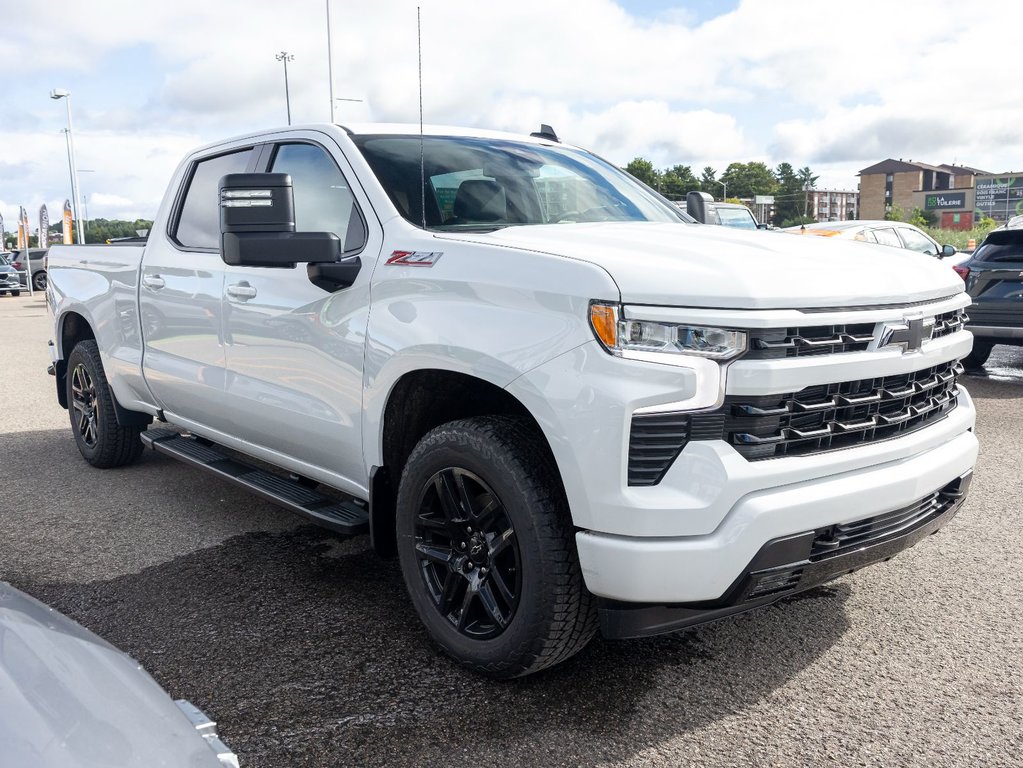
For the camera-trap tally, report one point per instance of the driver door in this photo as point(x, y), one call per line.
point(295, 351)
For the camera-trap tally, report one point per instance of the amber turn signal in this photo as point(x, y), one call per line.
point(604, 321)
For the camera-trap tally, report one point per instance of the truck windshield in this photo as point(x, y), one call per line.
point(737, 217)
point(486, 184)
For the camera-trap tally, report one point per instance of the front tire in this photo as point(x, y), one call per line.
point(487, 548)
point(101, 440)
point(39, 280)
point(978, 355)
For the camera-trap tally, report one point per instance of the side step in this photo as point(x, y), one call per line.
point(343, 516)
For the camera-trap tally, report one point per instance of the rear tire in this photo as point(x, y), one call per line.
point(101, 440)
point(15, 294)
point(487, 548)
point(979, 355)
point(39, 280)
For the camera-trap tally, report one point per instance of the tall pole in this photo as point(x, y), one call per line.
point(286, 57)
point(60, 93)
point(330, 65)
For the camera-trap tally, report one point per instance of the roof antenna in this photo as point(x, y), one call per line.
point(422, 158)
point(545, 132)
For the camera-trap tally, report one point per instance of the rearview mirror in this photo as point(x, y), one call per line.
point(948, 250)
point(257, 224)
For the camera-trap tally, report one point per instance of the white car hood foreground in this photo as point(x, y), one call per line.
point(70, 700)
point(704, 266)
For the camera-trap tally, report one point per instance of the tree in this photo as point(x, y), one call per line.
point(788, 199)
point(807, 181)
point(678, 181)
point(895, 213)
point(709, 182)
point(745, 180)
point(644, 170)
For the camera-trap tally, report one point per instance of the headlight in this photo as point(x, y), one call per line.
point(650, 340)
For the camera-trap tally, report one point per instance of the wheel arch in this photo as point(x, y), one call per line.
point(418, 402)
point(73, 328)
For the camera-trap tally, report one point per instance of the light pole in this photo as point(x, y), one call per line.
point(330, 65)
point(724, 193)
point(286, 57)
point(85, 204)
point(63, 93)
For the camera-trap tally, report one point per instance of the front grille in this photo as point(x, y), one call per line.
point(829, 417)
point(804, 341)
point(765, 344)
point(949, 322)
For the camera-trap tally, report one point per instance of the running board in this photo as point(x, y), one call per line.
point(343, 516)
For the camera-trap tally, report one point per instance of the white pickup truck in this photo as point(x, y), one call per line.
point(561, 404)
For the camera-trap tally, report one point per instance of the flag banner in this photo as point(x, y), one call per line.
point(44, 227)
point(22, 228)
point(67, 223)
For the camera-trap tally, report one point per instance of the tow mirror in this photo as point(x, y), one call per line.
point(700, 206)
point(257, 224)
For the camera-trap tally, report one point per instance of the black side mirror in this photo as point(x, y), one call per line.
point(257, 224)
point(947, 250)
point(700, 206)
point(763, 226)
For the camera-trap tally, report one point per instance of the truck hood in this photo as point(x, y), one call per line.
point(708, 266)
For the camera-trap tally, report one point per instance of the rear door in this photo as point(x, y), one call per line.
point(294, 350)
point(180, 298)
point(996, 281)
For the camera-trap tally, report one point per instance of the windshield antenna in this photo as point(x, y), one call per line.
point(422, 158)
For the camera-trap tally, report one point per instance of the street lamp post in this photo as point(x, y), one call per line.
point(63, 93)
point(724, 193)
point(286, 57)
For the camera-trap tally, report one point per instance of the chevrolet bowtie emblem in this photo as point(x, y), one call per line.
point(910, 334)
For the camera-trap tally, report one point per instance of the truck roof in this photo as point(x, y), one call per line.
point(395, 129)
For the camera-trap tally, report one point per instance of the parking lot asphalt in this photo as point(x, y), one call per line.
point(305, 648)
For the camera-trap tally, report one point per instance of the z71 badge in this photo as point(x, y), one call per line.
point(414, 258)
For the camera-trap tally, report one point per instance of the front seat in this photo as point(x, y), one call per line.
point(479, 201)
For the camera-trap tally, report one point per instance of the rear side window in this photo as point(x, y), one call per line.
point(199, 221)
point(887, 237)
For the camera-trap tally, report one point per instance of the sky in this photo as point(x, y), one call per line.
point(837, 86)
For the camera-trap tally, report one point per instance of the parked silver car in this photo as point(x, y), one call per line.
point(32, 262)
point(9, 282)
point(70, 699)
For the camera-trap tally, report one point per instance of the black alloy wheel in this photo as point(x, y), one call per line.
point(39, 280)
point(468, 554)
point(83, 405)
point(101, 440)
point(487, 547)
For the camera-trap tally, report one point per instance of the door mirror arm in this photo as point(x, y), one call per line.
point(334, 276)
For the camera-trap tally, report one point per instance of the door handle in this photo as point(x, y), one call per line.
point(153, 281)
point(241, 291)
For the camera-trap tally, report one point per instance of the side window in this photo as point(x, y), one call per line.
point(887, 236)
point(915, 241)
point(199, 221)
point(323, 199)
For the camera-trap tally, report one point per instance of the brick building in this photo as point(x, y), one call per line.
point(947, 190)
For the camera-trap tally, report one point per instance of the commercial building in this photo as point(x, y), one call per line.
point(949, 191)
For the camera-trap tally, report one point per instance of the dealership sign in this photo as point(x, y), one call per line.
point(948, 200)
point(1001, 198)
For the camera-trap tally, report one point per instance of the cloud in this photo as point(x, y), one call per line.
point(832, 86)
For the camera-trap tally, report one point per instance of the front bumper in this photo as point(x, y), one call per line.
point(793, 564)
point(697, 569)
